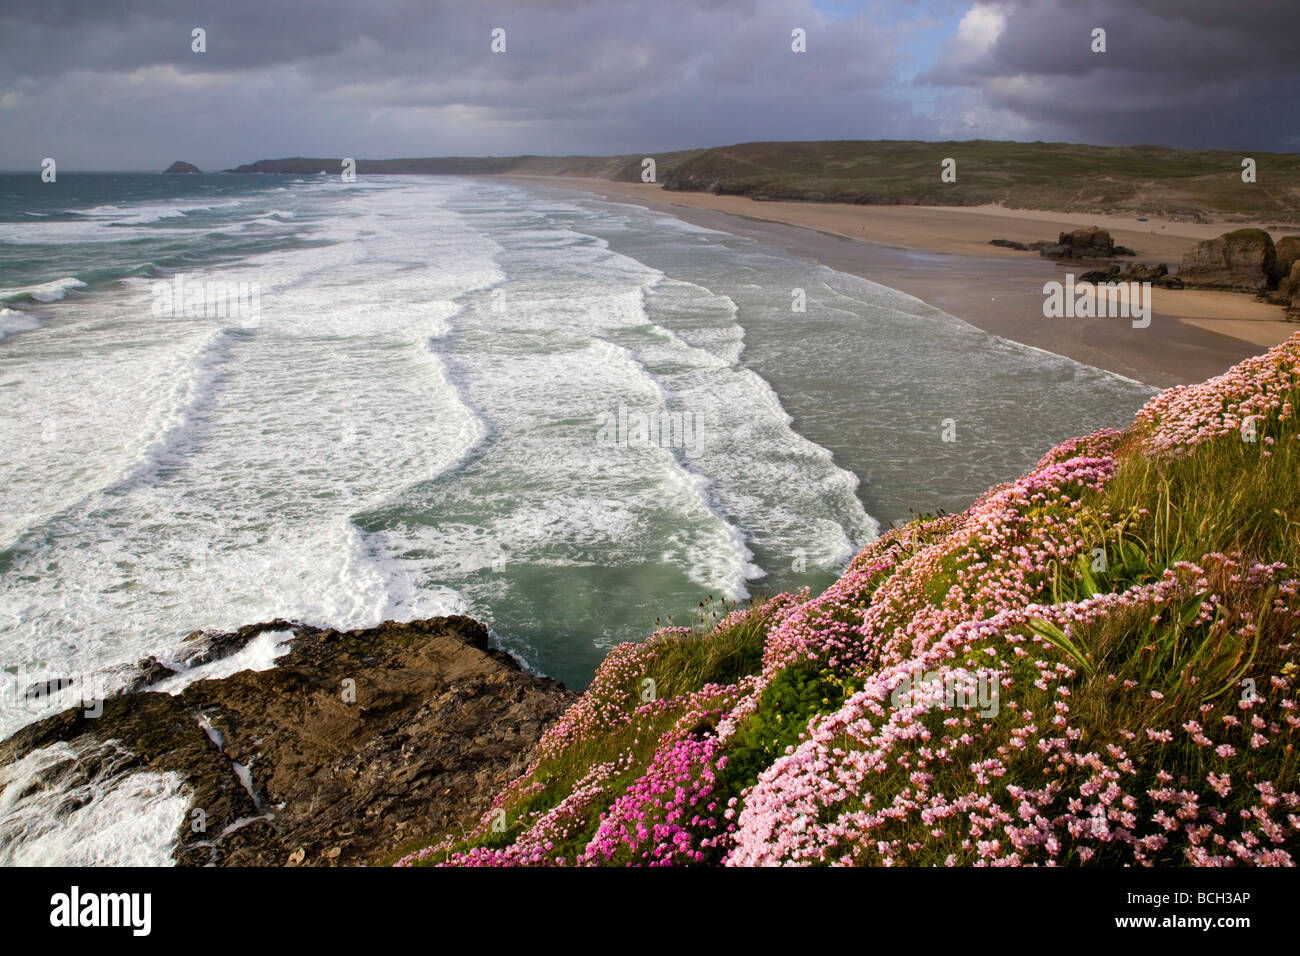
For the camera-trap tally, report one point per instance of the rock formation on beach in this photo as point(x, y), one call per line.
point(1135, 272)
point(1240, 261)
point(1247, 260)
point(1285, 254)
point(1288, 292)
point(181, 167)
point(1089, 242)
point(354, 743)
point(1287, 272)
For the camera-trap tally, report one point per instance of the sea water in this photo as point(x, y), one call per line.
point(566, 417)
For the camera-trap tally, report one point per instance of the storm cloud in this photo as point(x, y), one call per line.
point(1187, 73)
point(105, 86)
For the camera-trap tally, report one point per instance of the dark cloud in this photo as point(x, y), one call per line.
point(1192, 73)
point(115, 85)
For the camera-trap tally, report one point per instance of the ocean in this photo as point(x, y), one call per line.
point(413, 396)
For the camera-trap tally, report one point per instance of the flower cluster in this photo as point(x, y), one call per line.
point(668, 814)
point(1259, 388)
point(864, 787)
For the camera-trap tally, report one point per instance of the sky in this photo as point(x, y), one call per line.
point(116, 84)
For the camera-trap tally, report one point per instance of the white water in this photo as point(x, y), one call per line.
point(410, 427)
point(53, 812)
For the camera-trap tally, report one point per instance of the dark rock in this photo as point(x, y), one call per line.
point(1137, 272)
point(1240, 261)
point(1134, 272)
point(1122, 251)
point(1109, 274)
point(1288, 292)
point(1286, 254)
point(1087, 243)
point(213, 647)
point(1051, 250)
point(180, 167)
point(1009, 244)
point(357, 743)
point(147, 672)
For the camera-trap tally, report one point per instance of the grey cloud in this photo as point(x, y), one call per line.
point(1191, 73)
point(113, 85)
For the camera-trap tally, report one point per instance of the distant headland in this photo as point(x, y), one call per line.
point(1178, 184)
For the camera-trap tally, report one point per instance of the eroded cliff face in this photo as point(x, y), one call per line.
point(353, 744)
point(1242, 261)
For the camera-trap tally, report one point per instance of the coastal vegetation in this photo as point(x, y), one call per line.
point(1134, 600)
point(1063, 177)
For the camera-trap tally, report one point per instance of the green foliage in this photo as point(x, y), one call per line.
point(710, 654)
point(794, 695)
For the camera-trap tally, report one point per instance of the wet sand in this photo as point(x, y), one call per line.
point(941, 255)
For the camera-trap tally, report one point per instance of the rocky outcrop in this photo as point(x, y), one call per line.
point(1135, 272)
point(1288, 293)
point(1138, 272)
point(355, 743)
point(1009, 244)
point(1087, 243)
point(1242, 261)
point(181, 167)
point(1286, 254)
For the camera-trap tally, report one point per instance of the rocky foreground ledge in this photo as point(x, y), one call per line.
point(355, 743)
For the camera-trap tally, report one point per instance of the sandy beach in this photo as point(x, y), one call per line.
point(941, 255)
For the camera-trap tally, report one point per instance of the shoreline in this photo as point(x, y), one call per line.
point(325, 732)
point(935, 254)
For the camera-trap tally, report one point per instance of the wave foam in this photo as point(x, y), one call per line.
point(50, 291)
point(62, 807)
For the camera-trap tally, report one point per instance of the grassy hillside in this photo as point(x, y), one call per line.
point(1094, 664)
point(1140, 179)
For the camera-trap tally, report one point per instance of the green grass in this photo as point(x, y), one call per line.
point(1143, 180)
point(686, 663)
